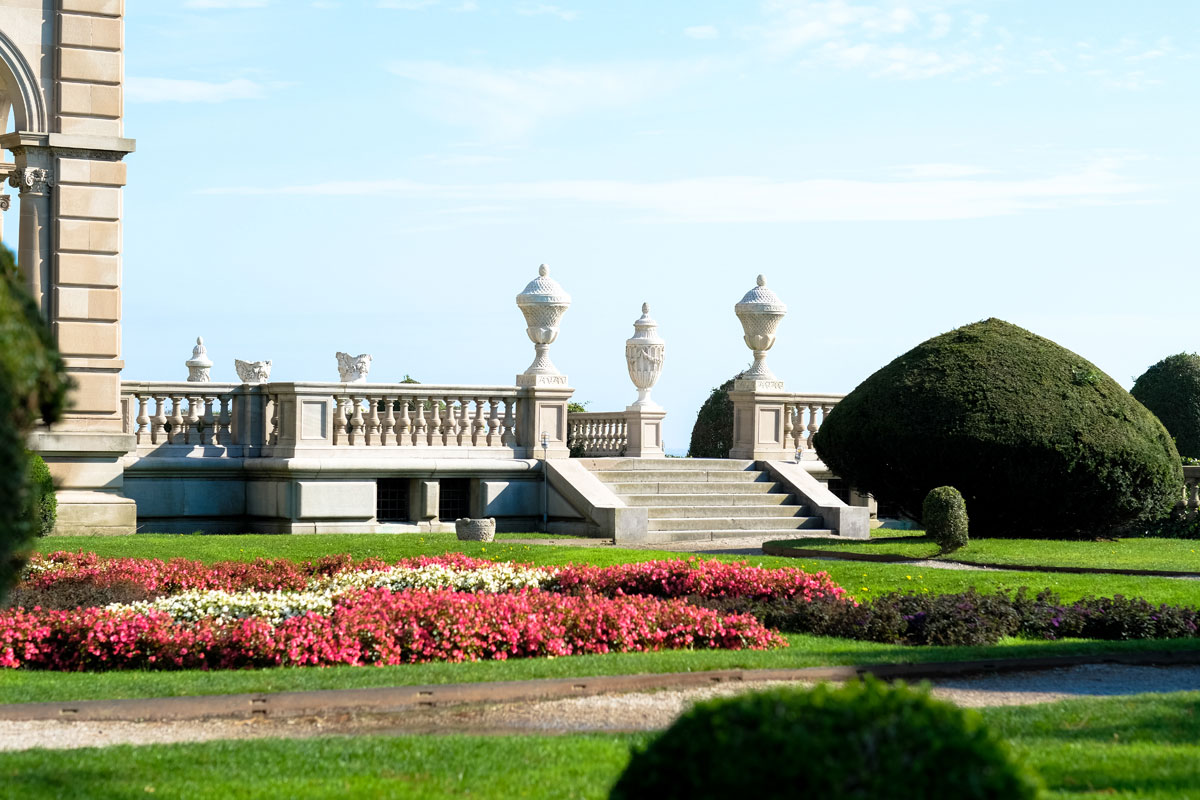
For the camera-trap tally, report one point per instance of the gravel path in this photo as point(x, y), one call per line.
point(600, 713)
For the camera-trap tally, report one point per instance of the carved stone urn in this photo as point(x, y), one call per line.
point(199, 364)
point(353, 369)
point(760, 313)
point(252, 371)
point(543, 303)
point(644, 356)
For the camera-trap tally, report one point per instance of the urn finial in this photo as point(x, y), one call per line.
point(199, 364)
point(760, 312)
point(644, 353)
point(543, 302)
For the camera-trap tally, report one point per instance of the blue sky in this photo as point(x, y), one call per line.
point(384, 177)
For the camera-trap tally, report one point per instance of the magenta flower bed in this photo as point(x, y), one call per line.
point(375, 626)
point(180, 574)
point(695, 577)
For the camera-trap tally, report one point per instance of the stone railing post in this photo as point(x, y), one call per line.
point(644, 429)
point(303, 417)
point(759, 407)
point(543, 409)
point(248, 423)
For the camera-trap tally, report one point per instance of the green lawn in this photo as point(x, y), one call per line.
point(1156, 554)
point(22, 686)
point(1144, 747)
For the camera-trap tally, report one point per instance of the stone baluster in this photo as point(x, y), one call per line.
point(143, 418)
point(436, 427)
point(460, 436)
point(509, 439)
point(493, 422)
point(387, 431)
point(419, 425)
point(207, 432)
point(404, 426)
point(341, 425)
point(158, 430)
point(271, 414)
point(814, 425)
point(1193, 492)
point(479, 426)
point(356, 422)
point(195, 420)
point(224, 420)
point(178, 436)
point(374, 426)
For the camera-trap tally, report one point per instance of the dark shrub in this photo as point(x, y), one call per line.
point(43, 504)
point(73, 592)
point(1171, 389)
point(944, 515)
point(712, 435)
point(32, 387)
point(863, 740)
point(1039, 441)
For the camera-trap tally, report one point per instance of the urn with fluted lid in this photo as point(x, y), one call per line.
point(543, 302)
point(760, 312)
point(644, 353)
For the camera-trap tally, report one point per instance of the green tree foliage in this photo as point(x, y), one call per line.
point(32, 387)
point(944, 515)
point(1171, 389)
point(1039, 441)
point(863, 741)
point(712, 435)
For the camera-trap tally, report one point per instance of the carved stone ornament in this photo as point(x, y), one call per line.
point(644, 353)
point(760, 313)
point(199, 364)
point(353, 369)
point(5, 202)
point(30, 179)
point(543, 303)
point(252, 371)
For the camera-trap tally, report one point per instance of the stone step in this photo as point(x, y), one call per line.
point(666, 537)
point(638, 475)
point(703, 500)
point(729, 512)
point(670, 464)
point(745, 524)
point(695, 487)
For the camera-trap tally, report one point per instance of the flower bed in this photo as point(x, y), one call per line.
point(374, 626)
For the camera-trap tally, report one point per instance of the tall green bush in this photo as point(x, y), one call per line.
point(1039, 441)
point(43, 503)
point(32, 387)
point(944, 515)
point(712, 435)
point(1171, 389)
point(864, 741)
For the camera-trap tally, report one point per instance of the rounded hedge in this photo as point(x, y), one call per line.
point(43, 503)
point(863, 741)
point(1039, 441)
point(1171, 389)
point(944, 515)
point(712, 435)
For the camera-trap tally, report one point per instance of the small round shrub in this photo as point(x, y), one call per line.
point(1171, 389)
point(43, 503)
point(944, 515)
point(863, 741)
point(1040, 442)
point(712, 435)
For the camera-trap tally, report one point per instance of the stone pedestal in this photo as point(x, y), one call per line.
point(644, 426)
point(543, 409)
point(759, 419)
point(89, 477)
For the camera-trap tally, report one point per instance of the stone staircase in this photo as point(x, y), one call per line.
point(703, 499)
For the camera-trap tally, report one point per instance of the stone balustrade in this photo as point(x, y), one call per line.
point(160, 413)
point(803, 415)
point(1190, 502)
point(598, 434)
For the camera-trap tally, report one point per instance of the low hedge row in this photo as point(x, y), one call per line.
point(969, 618)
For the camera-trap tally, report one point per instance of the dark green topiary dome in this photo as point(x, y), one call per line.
point(1171, 389)
point(712, 435)
point(1038, 440)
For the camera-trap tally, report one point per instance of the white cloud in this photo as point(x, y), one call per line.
point(716, 200)
point(938, 170)
point(701, 32)
point(407, 5)
point(169, 90)
point(509, 103)
point(225, 3)
point(535, 9)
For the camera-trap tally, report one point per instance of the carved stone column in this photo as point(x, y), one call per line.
point(32, 178)
point(5, 205)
